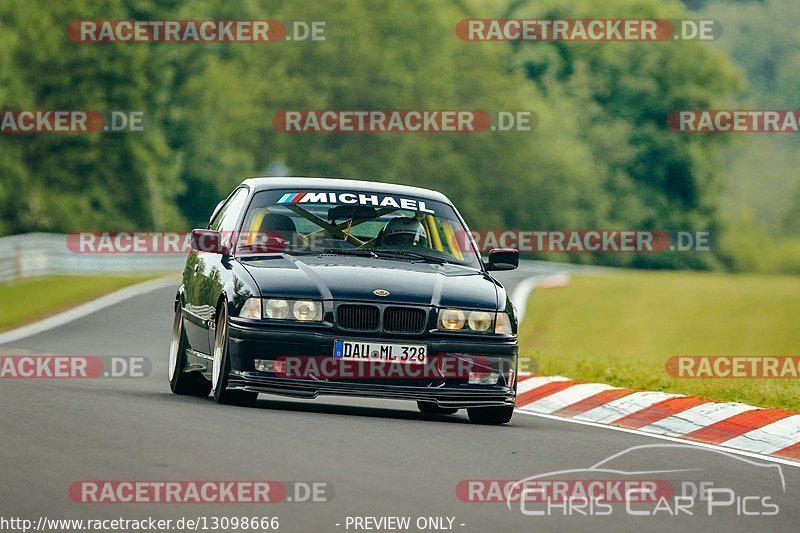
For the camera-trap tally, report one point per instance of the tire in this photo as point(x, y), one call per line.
point(222, 367)
point(491, 416)
point(430, 408)
point(180, 381)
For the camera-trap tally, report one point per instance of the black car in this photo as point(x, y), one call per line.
point(310, 286)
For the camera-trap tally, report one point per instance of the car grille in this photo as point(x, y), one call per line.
point(364, 317)
point(358, 317)
point(403, 320)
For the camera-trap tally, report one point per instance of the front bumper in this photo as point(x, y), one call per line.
point(256, 341)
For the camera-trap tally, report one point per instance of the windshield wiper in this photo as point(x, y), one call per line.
point(250, 250)
point(258, 248)
point(409, 253)
point(361, 252)
point(358, 252)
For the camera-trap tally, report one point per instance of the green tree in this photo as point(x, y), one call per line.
point(652, 178)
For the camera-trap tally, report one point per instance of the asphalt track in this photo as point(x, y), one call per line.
point(382, 458)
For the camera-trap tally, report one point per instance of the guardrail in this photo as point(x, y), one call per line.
point(46, 254)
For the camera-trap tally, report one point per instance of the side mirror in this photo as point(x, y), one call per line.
point(206, 240)
point(503, 259)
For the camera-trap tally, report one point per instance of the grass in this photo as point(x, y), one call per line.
point(620, 329)
point(28, 300)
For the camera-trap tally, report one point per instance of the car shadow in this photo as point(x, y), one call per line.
point(320, 407)
point(355, 410)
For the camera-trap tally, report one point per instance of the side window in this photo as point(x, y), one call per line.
point(225, 221)
point(214, 219)
point(228, 215)
point(214, 224)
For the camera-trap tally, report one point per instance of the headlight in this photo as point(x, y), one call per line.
point(451, 319)
point(276, 309)
point(307, 310)
point(280, 309)
point(466, 321)
point(502, 324)
point(479, 321)
point(251, 309)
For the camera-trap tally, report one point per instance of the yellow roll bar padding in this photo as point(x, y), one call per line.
point(255, 225)
point(433, 233)
point(455, 249)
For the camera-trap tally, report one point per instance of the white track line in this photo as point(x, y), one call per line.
point(768, 458)
point(86, 309)
point(622, 407)
point(519, 296)
point(697, 417)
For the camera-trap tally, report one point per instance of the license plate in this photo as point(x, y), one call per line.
point(414, 354)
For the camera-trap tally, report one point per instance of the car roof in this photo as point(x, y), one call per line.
point(267, 183)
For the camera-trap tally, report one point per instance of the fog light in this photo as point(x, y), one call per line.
point(483, 378)
point(270, 365)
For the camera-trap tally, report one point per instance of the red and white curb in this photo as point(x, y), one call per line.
point(769, 432)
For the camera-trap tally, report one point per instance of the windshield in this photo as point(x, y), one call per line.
point(355, 223)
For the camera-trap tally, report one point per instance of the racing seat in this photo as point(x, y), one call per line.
point(277, 226)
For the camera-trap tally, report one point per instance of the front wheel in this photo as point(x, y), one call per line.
point(180, 381)
point(222, 367)
point(490, 415)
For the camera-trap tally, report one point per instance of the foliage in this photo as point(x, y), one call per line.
point(600, 157)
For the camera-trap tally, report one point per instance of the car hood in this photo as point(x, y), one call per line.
point(356, 279)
